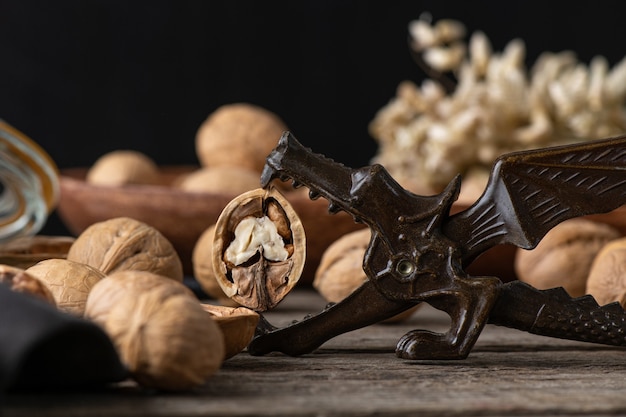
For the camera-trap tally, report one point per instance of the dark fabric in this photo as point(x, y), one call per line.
point(42, 347)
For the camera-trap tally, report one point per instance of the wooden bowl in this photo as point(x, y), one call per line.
point(182, 216)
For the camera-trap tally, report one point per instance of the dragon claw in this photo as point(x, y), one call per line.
point(424, 344)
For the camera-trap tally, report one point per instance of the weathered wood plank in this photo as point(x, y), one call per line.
point(357, 374)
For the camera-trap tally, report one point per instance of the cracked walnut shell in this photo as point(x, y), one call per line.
point(160, 330)
point(259, 249)
point(237, 324)
point(123, 243)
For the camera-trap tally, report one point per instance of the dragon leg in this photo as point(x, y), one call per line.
point(468, 304)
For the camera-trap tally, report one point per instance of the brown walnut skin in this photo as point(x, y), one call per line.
point(19, 281)
point(238, 134)
point(160, 330)
point(607, 277)
point(123, 243)
point(259, 284)
point(69, 282)
point(564, 256)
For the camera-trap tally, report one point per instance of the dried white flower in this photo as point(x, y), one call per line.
point(427, 135)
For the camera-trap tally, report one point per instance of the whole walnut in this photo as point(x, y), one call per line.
point(19, 281)
point(564, 256)
point(161, 332)
point(123, 167)
point(607, 277)
point(124, 243)
point(202, 261)
point(69, 282)
point(238, 134)
point(221, 179)
point(340, 271)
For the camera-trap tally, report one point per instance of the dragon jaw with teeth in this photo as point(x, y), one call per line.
point(418, 251)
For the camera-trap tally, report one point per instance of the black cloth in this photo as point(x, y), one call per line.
point(44, 348)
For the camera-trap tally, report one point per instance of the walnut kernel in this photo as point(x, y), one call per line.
point(259, 249)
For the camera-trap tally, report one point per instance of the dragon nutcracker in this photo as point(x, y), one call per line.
point(418, 250)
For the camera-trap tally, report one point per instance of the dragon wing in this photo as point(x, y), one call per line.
point(530, 192)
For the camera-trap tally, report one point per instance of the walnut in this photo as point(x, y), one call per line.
point(122, 167)
point(564, 256)
point(341, 268)
point(240, 135)
point(25, 251)
point(340, 271)
point(123, 243)
point(69, 282)
point(237, 324)
point(20, 281)
point(607, 277)
point(204, 273)
point(221, 179)
point(161, 332)
point(259, 249)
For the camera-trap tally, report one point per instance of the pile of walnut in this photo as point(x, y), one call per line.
point(231, 146)
point(126, 276)
point(490, 105)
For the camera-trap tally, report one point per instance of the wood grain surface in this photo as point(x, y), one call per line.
point(357, 374)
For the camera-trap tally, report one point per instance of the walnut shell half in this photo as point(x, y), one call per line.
point(237, 324)
point(259, 249)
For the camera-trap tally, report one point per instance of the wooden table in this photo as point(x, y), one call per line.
point(357, 374)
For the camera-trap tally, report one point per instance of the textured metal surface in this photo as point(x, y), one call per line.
point(418, 251)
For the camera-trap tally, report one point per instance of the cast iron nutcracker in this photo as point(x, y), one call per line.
point(418, 250)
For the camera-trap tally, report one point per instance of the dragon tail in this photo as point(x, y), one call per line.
point(555, 313)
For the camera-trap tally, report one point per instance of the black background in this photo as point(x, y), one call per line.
point(84, 77)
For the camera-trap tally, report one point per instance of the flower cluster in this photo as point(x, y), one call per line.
point(427, 134)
